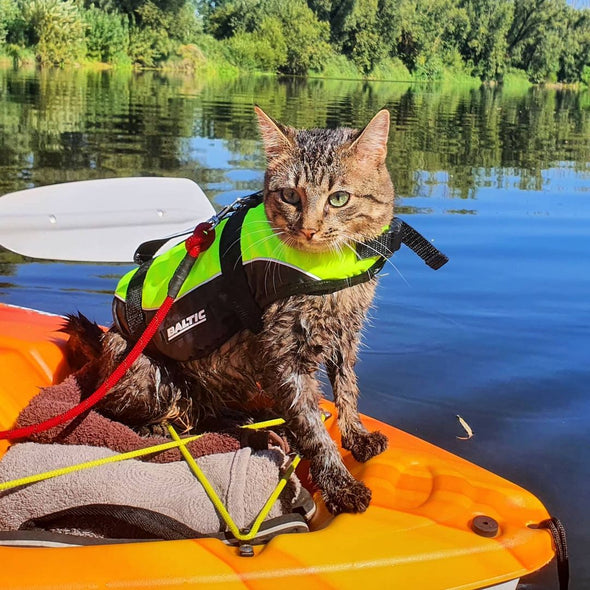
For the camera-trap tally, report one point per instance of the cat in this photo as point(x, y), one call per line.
point(324, 189)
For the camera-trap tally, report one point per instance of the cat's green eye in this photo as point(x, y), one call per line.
point(339, 198)
point(291, 196)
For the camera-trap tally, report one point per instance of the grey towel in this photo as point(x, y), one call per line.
point(243, 479)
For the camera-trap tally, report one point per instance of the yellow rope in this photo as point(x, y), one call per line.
point(265, 424)
point(272, 499)
point(206, 484)
point(225, 515)
point(97, 462)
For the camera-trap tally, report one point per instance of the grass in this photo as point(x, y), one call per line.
point(516, 81)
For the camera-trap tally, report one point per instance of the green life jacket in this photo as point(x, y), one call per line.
point(232, 282)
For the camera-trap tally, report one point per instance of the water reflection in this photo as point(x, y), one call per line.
point(500, 180)
point(69, 125)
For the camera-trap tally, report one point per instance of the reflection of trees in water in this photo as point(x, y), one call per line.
point(62, 125)
point(8, 264)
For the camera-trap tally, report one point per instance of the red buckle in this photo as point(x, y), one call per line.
point(202, 237)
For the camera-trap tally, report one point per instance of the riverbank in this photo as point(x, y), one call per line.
point(193, 61)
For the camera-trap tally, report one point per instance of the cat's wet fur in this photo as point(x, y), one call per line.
point(309, 175)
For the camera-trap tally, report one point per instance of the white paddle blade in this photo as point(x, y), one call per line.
point(99, 220)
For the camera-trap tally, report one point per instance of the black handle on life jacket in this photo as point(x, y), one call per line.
point(399, 233)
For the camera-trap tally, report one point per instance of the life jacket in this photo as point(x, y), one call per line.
point(245, 270)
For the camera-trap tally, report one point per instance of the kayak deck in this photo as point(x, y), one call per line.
point(418, 531)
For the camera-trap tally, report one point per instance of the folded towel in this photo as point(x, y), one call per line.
point(97, 430)
point(243, 479)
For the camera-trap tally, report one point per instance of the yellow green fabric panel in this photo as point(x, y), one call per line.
point(260, 242)
point(155, 287)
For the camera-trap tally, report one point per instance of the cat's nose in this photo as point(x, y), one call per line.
point(309, 233)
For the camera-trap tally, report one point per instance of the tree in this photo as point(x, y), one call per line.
point(357, 33)
point(363, 30)
point(57, 28)
point(483, 44)
point(107, 35)
point(428, 33)
point(535, 40)
point(9, 15)
point(574, 61)
point(303, 36)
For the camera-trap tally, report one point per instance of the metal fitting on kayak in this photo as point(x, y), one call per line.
point(246, 550)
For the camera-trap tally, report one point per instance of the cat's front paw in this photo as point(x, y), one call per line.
point(354, 497)
point(366, 445)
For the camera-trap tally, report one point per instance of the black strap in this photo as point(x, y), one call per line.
point(384, 245)
point(557, 531)
point(147, 250)
point(433, 257)
point(402, 233)
point(149, 524)
point(235, 280)
point(133, 311)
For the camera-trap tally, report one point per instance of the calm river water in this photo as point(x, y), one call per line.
point(499, 181)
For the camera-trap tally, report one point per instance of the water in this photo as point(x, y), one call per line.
point(499, 181)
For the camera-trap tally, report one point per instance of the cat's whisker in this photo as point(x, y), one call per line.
point(257, 243)
point(387, 260)
point(353, 250)
point(271, 267)
point(279, 246)
point(232, 244)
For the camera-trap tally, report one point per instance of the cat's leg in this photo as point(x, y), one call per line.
point(298, 397)
point(355, 437)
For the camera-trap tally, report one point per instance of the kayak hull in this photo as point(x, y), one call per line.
point(418, 531)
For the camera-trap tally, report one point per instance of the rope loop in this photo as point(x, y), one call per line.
point(557, 530)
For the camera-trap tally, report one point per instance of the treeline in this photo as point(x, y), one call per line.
point(546, 40)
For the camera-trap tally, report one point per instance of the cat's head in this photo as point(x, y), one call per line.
point(326, 187)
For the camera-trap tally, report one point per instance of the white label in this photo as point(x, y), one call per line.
point(186, 324)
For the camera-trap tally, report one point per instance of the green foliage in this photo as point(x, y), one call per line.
point(149, 39)
point(390, 68)
point(536, 36)
point(265, 48)
point(57, 28)
point(337, 65)
point(234, 17)
point(187, 24)
point(483, 43)
point(272, 34)
point(357, 32)
point(107, 35)
point(420, 39)
point(427, 37)
point(307, 38)
point(575, 58)
point(515, 80)
point(148, 46)
point(9, 16)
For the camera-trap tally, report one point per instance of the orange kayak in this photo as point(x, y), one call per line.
point(431, 524)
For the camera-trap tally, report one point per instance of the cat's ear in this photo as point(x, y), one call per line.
point(371, 144)
point(274, 136)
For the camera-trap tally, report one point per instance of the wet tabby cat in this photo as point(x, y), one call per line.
point(323, 189)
